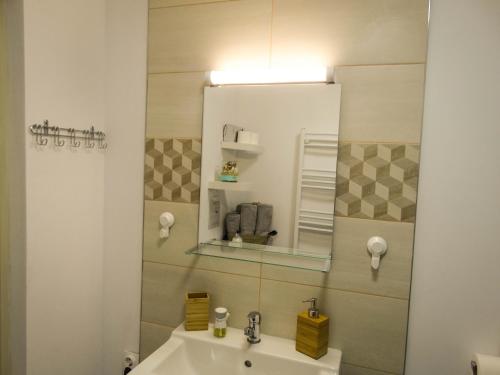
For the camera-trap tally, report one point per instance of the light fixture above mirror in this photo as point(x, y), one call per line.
point(270, 76)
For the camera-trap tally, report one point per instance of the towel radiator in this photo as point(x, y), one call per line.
point(320, 147)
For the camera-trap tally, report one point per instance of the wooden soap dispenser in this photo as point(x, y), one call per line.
point(312, 331)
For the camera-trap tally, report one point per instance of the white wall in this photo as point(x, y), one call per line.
point(455, 301)
point(65, 71)
point(84, 64)
point(16, 186)
point(124, 176)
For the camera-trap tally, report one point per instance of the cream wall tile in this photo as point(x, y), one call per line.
point(381, 103)
point(355, 370)
point(169, 3)
point(370, 330)
point(164, 288)
point(175, 105)
point(152, 337)
point(354, 32)
point(183, 236)
point(209, 36)
point(351, 262)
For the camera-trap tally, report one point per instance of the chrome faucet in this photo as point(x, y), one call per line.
point(253, 330)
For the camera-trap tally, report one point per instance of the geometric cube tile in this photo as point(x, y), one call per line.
point(190, 192)
point(377, 181)
point(412, 152)
point(172, 169)
point(150, 143)
point(152, 190)
point(162, 174)
point(148, 173)
point(403, 169)
point(341, 185)
point(182, 145)
point(373, 206)
point(376, 168)
point(347, 204)
point(172, 159)
point(196, 145)
point(388, 187)
point(390, 152)
point(195, 176)
point(171, 192)
point(361, 186)
point(410, 189)
point(191, 160)
point(349, 167)
point(181, 176)
point(153, 158)
point(363, 151)
point(402, 209)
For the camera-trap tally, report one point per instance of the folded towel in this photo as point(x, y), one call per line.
point(232, 224)
point(248, 212)
point(264, 219)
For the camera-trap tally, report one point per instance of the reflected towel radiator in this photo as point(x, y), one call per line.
point(315, 180)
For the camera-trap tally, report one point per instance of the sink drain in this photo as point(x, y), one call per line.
point(248, 363)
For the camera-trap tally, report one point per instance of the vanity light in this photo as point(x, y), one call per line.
point(262, 76)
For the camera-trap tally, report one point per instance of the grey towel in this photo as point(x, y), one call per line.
point(264, 219)
point(232, 224)
point(248, 212)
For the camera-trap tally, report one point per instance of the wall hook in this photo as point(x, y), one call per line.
point(57, 137)
point(41, 132)
point(100, 141)
point(72, 140)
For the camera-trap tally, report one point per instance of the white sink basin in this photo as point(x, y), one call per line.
point(200, 353)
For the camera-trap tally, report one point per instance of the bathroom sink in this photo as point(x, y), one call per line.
point(200, 353)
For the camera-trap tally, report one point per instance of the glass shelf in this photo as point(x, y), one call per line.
point(248, 252)
point(230, 186)
point(235, 146)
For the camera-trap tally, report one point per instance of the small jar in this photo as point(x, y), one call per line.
point(220, 326)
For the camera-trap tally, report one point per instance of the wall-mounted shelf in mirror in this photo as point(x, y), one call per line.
point(230, 186)
point(235, 146)
point(275, 255)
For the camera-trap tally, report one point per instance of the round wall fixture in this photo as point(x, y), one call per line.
point(377, 247)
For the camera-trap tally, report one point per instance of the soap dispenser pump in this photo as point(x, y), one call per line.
point(312, 331)
point(313, 311)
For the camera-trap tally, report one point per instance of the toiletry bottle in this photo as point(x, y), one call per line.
point(220, 326)
point(312, 331)
point(236, 241)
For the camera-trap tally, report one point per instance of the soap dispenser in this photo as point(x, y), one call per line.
point(312, 331)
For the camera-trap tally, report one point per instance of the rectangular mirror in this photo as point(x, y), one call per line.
point(269, 157)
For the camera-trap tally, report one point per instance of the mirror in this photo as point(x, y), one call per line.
point(269, 157)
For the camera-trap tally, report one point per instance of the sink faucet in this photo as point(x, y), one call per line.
point(253, 330)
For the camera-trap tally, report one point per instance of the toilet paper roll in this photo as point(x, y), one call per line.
point(487, 364)
point(245, 137)
point(255, 138)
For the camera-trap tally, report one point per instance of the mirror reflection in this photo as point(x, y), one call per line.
point(269, 157)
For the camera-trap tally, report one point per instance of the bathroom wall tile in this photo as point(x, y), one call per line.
point(351, 268)
point(175, 105)
point(165, 286)
point(152, 337)
point(209, 36)
point(348, 369)
point(183, 236)
point(380, 184)
point(381, 103)
point(370, 330)
point(169, 3)
point(355, 32)
point(172, 169)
